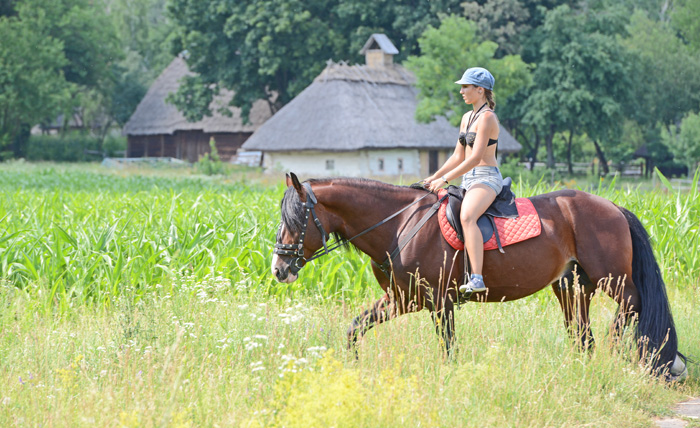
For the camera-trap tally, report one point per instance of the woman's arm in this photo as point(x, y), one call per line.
point(455, 159)
point(451, 163)
point(488, 126)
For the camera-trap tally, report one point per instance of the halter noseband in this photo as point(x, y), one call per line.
point(297, 250)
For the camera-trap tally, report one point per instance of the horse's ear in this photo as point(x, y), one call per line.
point(292, 180)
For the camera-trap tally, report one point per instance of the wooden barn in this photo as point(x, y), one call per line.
point(358, 120)
point(158, 129)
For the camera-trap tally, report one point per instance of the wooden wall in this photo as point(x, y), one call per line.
point(186, 145)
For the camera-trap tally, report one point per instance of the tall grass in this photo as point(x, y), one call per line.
point(208, 356)
point(146, 300)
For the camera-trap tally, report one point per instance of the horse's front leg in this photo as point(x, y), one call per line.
point(443, 315)
point(380, 311)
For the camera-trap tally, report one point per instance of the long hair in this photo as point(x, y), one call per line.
point(490, 98)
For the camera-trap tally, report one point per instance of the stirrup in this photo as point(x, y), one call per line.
point(473, 286)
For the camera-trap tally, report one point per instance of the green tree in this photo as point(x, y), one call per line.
point(32, 83)
point(267, 50)
point(505, 22)
point(666, 85)
point(272, 49)
point(73, 45)
point(686, 19)
point(684, 141)
point(446, 52)
point(581, 82)
point(402, 21)
point(145, 34)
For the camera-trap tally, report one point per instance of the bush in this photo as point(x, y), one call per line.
point(69, 148)
point(114, 146)
point(210, 163)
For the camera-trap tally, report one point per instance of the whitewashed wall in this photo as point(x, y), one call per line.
point(361, 163)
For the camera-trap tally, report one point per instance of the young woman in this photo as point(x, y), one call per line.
point(474, 158)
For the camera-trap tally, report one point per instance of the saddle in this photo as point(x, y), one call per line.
point(514, 217)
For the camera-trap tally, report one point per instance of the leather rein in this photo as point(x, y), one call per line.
point(297, 250)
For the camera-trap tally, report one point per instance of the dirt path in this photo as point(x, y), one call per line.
point(688, 415)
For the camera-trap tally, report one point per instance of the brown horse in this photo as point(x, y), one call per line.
point(583, 235)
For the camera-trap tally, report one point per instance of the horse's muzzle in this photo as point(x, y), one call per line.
point(281, 270)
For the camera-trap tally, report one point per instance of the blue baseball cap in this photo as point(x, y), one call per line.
point(477, 76)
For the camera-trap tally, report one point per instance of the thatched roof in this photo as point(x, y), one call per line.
point(349, 108)
point(154, 116)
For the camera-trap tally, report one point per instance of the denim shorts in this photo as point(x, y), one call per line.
point(488, 175)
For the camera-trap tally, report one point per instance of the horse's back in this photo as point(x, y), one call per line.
point(592, 228)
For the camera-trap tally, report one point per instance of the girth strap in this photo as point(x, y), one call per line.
point(386, 266)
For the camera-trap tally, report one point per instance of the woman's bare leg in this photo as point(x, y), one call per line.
point(475, 203)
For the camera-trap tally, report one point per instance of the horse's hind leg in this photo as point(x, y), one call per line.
point(627, 297)
point(574, 291)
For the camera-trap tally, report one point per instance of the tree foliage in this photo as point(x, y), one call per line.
point(58, 56)
point(583, 78)
point(686, 18)
point(272, 49)
point(32, 82)
point(666, 86)
point(684, 141)
point(505, 22)
point(446, 52)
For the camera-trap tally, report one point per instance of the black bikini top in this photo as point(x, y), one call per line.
point(467, 138)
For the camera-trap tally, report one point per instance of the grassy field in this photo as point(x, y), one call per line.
point(143, 298)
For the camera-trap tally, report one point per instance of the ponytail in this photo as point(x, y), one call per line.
point(490, 98)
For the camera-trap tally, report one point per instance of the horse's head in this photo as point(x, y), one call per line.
point(296, 241)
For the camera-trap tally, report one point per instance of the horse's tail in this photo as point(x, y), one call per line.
point(656, 331)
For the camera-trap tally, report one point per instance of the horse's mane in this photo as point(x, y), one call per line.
point(293, 209)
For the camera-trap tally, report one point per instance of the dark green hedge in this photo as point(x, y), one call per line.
point(73, 148)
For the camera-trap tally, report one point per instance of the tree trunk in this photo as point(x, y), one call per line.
point(533, 158)
point(568, 152)
point(601, 157)
point(550, 148)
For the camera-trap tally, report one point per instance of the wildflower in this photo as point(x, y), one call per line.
point(256, 366)
point(252, 345)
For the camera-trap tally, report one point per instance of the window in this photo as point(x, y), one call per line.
point(330, 164)
point(400, 164)
point(381, 164)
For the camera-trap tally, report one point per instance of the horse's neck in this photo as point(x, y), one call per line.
point(363, 206)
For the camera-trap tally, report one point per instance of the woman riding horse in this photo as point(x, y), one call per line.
point(582, 235)
point(474, 158)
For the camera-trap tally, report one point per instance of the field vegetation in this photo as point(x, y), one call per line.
point(144, 298)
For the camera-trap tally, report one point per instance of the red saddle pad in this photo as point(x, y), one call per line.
point(511, 230)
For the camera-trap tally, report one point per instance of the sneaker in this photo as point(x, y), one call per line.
point(474, 285)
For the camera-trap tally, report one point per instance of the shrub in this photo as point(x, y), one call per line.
point(210, 163)
point(68, 148)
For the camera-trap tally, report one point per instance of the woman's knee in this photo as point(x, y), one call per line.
point(468, 218)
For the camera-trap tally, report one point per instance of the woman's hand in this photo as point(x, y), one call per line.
point(435, 184)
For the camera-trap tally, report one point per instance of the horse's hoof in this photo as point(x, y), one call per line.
point(678, 371)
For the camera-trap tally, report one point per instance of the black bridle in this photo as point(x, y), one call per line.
point(297, 250)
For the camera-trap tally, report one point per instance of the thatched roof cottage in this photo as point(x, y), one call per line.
point(158, 129)
point(359, 120)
